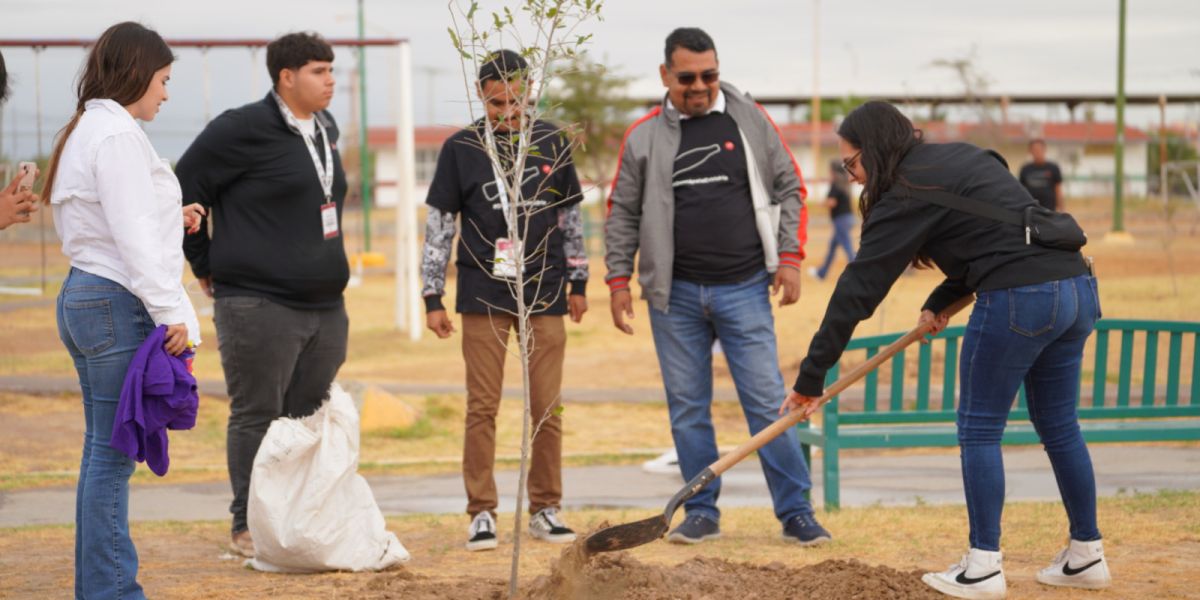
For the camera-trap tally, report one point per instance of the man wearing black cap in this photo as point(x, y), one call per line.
point(465, 186)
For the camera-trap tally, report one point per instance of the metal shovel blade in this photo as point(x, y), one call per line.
point(628, 535)
point(632, 535)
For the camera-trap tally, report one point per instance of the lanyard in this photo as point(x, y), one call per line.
point(325, 171)
point(501, 185)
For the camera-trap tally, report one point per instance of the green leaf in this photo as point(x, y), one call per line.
point(471, 13)
point(559, 410)
point(454, 39)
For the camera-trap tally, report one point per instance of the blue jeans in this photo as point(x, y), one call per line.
point(102, 324)
point(843, 227)
point(1032, 334)
point(739, 315)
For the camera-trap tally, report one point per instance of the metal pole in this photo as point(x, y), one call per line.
point(1162, 147)
point(37, 90)
point(815, 107)
point(207, 86)
point(408, 288)
point(1118, 224)
point(364, 162)
point(255, 73)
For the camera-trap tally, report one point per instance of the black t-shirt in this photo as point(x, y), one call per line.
point(1040, 181)
point(464, 184)
point(842, 199)
point(716, 239)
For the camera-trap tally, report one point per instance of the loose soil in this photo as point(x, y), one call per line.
point(620, 576)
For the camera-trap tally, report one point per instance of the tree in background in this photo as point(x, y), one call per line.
point(834, 110)
point(593, 100)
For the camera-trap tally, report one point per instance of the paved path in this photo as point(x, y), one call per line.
point(866, 480)
point(62, 384)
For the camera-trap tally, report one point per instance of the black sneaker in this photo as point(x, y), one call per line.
point(695, 529)
point(482, 534)
point(806, 531)
point(547, 526)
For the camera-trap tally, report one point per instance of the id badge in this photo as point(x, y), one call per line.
point(329, 221)
point(509, 258)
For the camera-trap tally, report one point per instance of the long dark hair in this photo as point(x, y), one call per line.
point(883, 136)
point(119, 68)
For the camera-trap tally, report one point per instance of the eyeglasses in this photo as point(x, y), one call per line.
point(848, 164)
point(688, 78)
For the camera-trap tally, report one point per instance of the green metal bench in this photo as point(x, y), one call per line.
point(902, 419)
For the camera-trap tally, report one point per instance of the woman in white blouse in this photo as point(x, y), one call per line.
point(117, 208)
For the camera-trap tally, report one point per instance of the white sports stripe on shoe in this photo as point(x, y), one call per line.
point(547, 526)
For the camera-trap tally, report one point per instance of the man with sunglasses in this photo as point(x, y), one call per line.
point(709, 197)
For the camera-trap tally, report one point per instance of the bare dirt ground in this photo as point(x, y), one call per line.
point(1152, 543)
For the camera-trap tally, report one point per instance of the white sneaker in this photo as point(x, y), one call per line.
point(666, 464)
point(482, 534)
point(978, 576)
point(1079, 565)
point(546, 526)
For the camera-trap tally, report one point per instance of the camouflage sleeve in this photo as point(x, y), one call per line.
point(570, 221)
point(440, 229)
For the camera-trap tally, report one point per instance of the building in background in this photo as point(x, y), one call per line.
point(1083, 150)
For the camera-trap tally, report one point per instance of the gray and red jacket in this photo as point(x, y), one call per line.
point(641, 204)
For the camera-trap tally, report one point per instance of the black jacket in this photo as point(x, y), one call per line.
point(256, 177)
point(975, 253)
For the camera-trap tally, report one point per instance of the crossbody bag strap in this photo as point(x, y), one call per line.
point(967, 205)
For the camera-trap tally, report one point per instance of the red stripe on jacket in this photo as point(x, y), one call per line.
point(621, 155)
point(789, 258)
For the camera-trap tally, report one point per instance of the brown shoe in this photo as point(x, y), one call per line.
point(242, 544)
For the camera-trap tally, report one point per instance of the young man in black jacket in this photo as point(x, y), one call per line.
point(270, 174)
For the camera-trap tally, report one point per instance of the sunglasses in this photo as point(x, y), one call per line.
point(848, 164)
point(688, 78)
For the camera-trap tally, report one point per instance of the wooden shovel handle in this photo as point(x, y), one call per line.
point(789, 420)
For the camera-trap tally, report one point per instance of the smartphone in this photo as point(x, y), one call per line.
point(27, 171)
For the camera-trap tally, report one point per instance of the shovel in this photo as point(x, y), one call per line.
point(631, 535)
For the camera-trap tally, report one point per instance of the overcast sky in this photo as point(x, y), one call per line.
point(765, 46)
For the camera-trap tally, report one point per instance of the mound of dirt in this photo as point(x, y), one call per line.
point(620, 576)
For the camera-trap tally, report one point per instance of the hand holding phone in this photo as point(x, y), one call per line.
point(27, 172)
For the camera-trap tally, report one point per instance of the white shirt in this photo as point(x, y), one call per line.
point(118, 211)
point(308, 127)
point(717, 107)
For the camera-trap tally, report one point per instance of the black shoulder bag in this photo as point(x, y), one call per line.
point(1043, 226)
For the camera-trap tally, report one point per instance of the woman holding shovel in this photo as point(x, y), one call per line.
point(1035, 307)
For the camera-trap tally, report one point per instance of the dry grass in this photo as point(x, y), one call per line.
point(1143, 280)
point(608, 433)
point(1152, 542)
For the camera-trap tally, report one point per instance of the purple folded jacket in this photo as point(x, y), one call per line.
point(159, 394)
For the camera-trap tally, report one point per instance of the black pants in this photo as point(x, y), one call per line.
point(278, 361)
